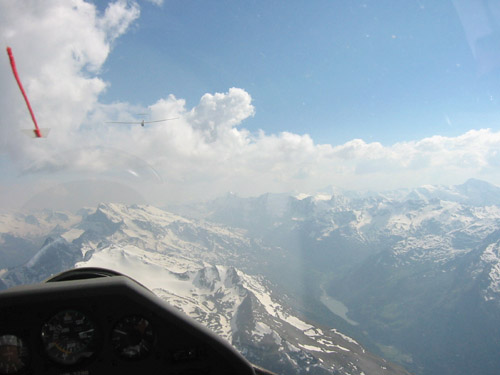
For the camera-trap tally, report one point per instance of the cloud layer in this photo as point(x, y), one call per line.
point(206, 151)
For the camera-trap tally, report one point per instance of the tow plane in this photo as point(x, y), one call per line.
point(142, 123)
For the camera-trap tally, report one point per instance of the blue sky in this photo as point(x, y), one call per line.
point(382, 71)
point(268, 96)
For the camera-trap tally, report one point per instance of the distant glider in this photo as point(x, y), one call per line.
point(140, 122)
point(37, 132)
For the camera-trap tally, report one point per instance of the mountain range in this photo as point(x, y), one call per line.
point(302, 283)
point(413, 273)
point(193, 266)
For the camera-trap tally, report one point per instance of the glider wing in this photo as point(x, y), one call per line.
point(166, 119)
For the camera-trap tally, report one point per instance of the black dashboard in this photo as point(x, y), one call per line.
point(86, 323)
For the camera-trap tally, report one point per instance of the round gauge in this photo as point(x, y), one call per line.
point(133, 337)
point(13, 354)
point(69, 337)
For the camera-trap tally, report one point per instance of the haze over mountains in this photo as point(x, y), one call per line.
point(191, 265)
point(413, 275)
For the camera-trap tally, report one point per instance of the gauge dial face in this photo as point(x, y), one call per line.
point(69, 337)
point(133, 337)
point(13, 354)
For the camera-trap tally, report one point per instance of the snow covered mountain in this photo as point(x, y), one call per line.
point(412, 274)
point(419, 269)
point(22, 233)
point(204, 270)
point(244, 310)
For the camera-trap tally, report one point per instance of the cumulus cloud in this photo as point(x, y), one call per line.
point(156, 2)
point(206, 151)
point(117, 18)
point(59, 46)
point(217, 114)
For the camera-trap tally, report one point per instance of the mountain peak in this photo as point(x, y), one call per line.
point(474, 183)
point(207, 277)
point(479, 192)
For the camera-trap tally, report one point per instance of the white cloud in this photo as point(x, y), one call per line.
point(117, 18)
point(217, 114)
point(59, 46)
point(206, 151)
point(156, 2)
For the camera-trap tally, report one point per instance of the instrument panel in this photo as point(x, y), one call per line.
point(105, 325)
